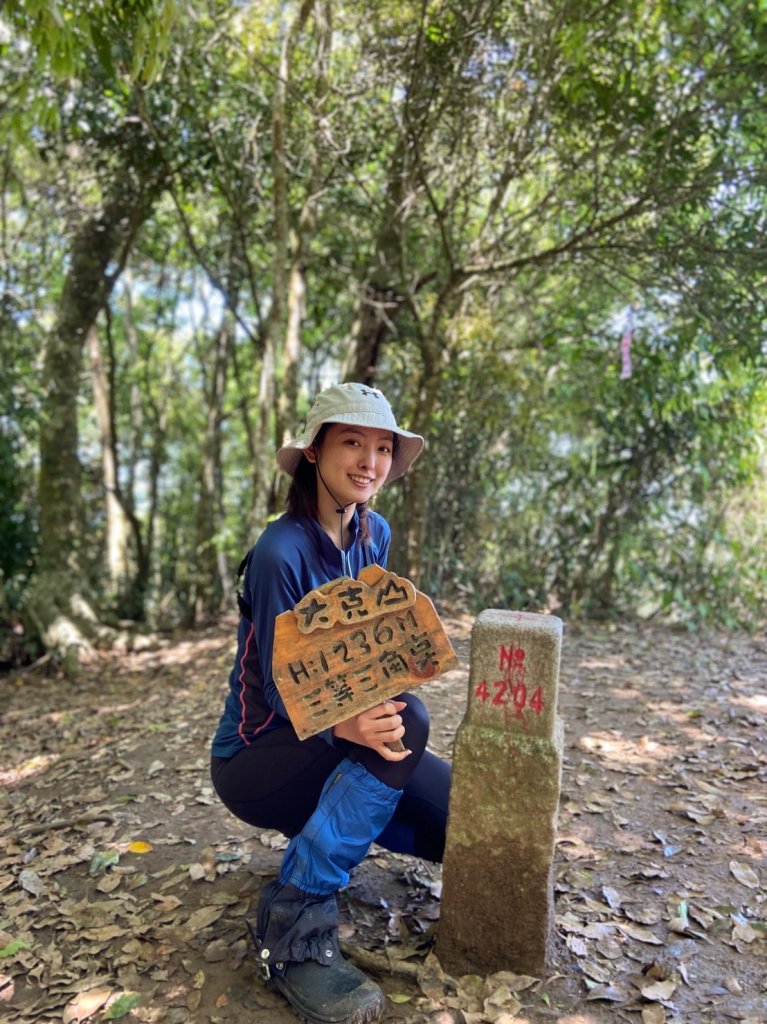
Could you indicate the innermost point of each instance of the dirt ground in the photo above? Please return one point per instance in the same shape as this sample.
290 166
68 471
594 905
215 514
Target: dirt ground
124 885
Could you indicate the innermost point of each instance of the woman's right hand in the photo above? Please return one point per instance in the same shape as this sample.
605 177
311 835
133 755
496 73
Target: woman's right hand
375 728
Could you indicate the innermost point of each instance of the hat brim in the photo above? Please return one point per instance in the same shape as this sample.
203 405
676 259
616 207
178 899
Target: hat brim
409 447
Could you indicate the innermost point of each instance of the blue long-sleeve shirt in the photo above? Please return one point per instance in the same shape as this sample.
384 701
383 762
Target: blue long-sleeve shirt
291 557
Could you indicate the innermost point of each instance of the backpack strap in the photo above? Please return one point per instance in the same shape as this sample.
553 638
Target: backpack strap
242 604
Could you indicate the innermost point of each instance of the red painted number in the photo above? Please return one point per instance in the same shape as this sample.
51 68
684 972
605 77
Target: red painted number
507 693
482 693
510 657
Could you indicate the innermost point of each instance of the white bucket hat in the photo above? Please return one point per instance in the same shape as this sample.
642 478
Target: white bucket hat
361 406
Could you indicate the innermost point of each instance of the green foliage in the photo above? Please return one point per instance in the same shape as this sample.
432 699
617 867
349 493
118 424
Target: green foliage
126 36
557 484
17 524
516 176
20 341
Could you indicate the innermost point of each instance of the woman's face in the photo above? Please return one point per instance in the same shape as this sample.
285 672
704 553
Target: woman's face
353 461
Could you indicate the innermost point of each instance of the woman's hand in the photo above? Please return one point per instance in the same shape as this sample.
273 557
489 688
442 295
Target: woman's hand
375 728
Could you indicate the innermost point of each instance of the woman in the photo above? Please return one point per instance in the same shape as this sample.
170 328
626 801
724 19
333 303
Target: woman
335 793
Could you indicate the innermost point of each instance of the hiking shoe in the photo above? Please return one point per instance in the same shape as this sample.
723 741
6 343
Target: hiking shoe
337 993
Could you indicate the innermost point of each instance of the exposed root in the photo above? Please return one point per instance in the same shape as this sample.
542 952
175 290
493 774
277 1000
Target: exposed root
379 964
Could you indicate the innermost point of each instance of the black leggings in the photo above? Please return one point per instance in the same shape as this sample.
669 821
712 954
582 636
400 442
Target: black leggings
276 783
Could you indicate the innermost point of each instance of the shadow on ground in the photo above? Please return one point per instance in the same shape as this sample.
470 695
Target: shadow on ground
125 886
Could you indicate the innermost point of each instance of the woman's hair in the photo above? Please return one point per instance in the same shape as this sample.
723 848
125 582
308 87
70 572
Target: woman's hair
302 496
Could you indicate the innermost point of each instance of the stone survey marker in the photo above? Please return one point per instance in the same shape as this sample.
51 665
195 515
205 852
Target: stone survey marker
497 890
351 644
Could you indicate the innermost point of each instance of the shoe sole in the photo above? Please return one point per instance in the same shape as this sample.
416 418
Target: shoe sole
363 1015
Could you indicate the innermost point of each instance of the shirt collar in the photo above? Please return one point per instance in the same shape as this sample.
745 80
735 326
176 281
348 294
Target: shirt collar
328 551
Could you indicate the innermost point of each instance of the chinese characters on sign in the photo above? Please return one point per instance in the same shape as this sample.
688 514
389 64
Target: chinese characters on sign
354 643
347 601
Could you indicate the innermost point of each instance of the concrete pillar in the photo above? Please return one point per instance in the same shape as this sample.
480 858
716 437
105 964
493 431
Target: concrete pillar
497 889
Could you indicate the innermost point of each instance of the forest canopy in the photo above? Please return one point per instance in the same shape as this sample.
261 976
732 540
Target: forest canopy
539 228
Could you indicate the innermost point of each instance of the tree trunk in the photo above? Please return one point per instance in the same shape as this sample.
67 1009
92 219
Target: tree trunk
133 599
116 556
380 296
207 584
300 243
269 427
156 460
418 482
57 603
263 470
374 318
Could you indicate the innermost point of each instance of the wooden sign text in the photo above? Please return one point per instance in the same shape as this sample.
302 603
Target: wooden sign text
351 644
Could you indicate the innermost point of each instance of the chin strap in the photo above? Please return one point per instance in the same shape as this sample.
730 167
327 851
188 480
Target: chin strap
340 509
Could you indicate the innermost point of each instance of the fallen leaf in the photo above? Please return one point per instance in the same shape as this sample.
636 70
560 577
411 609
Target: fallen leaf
744 874
85 1005
659 991
569 923
593 970
122 1005
202 918
636 931
650 873
680 923
647 915
516 982
228 856
13 947
110 882
612 896
672 850
102 860
504 998
610 949
743 932
471 988
577 945
704 917
31 882
610 993
598 930
654 1014
216 951
140 846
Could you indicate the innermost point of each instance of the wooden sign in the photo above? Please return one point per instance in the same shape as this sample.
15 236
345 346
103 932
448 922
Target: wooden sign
352 644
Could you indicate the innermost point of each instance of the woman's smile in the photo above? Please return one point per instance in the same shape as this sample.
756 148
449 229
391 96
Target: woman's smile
353 462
